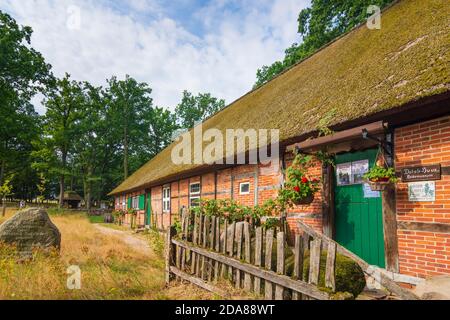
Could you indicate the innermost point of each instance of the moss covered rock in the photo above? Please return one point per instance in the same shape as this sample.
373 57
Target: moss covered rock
349 275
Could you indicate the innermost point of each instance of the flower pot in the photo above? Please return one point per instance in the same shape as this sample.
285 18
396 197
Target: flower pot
304 201
379 185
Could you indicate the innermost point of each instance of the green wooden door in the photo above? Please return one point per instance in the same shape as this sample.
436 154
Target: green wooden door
359 224
149 210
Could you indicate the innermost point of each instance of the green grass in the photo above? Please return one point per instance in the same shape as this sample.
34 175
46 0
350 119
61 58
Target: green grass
96 219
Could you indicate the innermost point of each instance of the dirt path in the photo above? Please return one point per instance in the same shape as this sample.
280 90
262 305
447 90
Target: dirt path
128 237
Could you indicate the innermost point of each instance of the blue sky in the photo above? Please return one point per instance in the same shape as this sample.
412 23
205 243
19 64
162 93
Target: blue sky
197 45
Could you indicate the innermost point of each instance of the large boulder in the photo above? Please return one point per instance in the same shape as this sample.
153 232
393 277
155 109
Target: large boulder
28 229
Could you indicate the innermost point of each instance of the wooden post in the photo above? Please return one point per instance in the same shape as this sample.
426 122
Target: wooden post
268 263
330 281
279 290
390 229
205 245
258 257
328 200
231 248
314 262
217 248
298 263
169 252
239 230
194 241
224 247
247 256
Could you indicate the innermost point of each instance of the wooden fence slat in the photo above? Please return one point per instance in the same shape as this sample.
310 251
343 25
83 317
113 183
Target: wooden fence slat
212 238
314 262
199 242
247 256
239 230
224 246
217 248
298 263
169 252
231 248
194 241
279 290
258 257
330 281
268 263
205 245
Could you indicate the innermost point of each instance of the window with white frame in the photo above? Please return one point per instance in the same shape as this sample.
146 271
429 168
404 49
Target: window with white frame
166 199
135 203
244 188
194 194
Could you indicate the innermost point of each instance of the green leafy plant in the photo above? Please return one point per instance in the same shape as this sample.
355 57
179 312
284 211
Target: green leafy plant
381 174
298 186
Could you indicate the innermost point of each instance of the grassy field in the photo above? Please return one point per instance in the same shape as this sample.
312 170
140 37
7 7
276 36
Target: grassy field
110 268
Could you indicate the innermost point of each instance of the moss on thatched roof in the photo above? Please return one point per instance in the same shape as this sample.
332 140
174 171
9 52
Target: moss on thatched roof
362 73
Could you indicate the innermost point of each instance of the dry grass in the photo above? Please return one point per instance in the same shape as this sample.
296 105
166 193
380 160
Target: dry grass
110 268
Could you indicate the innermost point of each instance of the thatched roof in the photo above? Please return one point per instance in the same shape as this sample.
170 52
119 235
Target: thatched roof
72 195
360 74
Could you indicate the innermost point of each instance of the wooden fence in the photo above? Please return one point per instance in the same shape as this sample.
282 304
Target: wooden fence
250 257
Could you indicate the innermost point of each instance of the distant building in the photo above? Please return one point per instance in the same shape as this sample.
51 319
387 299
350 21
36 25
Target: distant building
72 199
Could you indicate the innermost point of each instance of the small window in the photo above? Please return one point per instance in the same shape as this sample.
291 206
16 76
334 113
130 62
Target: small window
195 188
135 203
194 194
166 199
244 188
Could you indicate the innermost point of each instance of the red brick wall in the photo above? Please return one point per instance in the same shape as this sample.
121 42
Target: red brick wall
424 253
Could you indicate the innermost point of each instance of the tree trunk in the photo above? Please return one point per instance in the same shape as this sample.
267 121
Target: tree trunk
2 171
61 180
125 153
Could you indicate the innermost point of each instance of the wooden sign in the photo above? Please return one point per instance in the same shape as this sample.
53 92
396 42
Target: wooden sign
421 173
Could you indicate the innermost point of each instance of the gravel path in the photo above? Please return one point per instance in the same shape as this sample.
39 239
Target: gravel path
128 237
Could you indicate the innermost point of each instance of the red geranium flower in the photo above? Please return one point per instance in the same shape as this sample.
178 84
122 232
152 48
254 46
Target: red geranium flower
315 180
304 180
297 188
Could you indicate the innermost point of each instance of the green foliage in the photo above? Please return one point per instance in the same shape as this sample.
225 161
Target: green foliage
318 25
298 186
378 173
196 108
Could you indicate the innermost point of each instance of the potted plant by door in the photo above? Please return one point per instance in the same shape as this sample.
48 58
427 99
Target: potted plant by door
380 177
299 189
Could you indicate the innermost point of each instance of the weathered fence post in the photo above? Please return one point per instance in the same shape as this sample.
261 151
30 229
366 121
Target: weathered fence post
330 281
247 255
268 263
298 263
279 290
258 257
314 262
169 251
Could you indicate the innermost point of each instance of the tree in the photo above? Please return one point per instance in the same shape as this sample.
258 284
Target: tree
319 24
196 108
63 102
129 105
5 190
23 72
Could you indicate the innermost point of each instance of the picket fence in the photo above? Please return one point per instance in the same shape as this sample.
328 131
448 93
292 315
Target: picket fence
250 257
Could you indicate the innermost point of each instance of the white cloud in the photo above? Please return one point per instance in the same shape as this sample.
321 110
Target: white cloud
142 40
